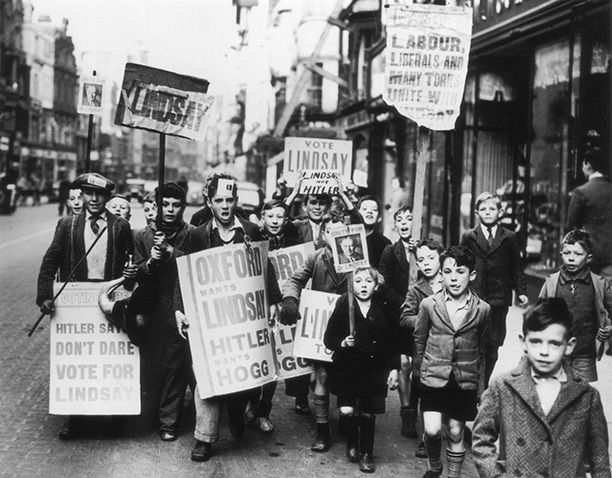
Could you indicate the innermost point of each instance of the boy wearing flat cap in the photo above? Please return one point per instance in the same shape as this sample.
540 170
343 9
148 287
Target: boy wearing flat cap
74 235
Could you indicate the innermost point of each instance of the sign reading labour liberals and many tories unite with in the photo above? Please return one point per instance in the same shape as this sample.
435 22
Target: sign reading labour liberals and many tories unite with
426 61
285 262
224 294
163 101
94 368
318 162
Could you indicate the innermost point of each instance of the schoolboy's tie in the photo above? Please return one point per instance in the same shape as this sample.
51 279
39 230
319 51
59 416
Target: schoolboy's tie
94 224
490 237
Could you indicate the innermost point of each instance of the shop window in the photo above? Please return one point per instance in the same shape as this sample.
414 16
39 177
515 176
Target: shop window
549 154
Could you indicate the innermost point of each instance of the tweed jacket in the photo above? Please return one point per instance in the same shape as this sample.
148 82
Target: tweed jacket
395 268
410 308
68 247
319 267
499 269
590 207
533 444
441 350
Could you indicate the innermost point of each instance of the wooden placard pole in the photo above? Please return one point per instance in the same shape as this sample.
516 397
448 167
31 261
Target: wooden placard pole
89 140
351 302
160 178
419 189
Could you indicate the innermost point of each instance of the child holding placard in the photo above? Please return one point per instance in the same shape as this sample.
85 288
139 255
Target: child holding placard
366 361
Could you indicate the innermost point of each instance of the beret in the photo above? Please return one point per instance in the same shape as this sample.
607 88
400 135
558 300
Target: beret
94 181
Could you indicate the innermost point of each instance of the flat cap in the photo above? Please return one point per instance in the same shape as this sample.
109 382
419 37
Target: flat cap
94 181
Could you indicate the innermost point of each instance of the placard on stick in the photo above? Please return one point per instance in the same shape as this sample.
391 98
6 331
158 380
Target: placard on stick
315 309
224 294
91 91
349 248
94 368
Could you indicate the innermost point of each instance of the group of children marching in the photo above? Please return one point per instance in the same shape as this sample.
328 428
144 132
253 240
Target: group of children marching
436 339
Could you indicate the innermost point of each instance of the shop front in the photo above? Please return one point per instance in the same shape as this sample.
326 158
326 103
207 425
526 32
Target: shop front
537 97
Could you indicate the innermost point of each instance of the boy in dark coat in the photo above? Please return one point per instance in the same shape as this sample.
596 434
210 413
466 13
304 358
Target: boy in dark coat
499 269
394 266
451 337
548 421
370 208
365 363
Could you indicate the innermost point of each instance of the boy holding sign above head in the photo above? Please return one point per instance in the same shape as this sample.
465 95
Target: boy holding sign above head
320 268
370 209
395 267
222 229
366 361
155 253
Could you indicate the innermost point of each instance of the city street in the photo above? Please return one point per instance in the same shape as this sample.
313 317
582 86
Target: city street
29 446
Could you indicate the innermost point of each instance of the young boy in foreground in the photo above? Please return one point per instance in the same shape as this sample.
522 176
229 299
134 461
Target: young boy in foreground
548 421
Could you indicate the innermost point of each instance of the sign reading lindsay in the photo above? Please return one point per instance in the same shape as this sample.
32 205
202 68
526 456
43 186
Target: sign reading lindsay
318 162
225 301
159 100
426 61
315 310
285 262
94 368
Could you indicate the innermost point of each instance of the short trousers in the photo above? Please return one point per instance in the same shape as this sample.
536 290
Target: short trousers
584 367
450 400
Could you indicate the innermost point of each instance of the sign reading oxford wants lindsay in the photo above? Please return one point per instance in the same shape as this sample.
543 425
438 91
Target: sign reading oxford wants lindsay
316 163
163 101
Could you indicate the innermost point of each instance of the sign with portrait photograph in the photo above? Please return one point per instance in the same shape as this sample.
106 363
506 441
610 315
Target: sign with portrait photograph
91 91
94 368
349 248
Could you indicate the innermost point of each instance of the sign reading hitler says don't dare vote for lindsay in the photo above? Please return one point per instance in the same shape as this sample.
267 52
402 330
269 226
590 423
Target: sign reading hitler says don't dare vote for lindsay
94 368
159 100
426 61
285 262
224 295
318 162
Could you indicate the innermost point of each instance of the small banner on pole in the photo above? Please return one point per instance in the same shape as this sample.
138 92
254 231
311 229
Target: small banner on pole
285 262
91 92
350 248
94 368
224 294
426 61
163 101
315 309
319 162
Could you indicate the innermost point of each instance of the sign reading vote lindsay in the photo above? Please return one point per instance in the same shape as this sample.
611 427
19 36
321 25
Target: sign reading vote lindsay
224 294
160 100
94 368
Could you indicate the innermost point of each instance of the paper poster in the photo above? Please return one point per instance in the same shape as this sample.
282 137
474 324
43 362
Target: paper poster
285 262
350 248
426 61
315 310
224 294
91 91
163 101
319 162
94 368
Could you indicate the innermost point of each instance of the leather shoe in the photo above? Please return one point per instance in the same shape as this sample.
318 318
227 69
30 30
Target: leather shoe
301 407
202 451
265 425
166 435
433 474
365 464
321 444
66 433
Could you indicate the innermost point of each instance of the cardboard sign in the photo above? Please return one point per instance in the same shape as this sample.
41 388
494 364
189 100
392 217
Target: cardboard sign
315 310
94 368
350 249
426 61
285 262
319 161
163 101
91 91
224 294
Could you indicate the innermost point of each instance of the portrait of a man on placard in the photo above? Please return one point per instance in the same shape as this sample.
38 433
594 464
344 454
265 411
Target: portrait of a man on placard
349 248
92 95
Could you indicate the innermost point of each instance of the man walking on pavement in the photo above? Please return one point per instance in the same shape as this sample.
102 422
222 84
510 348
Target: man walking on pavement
74 235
